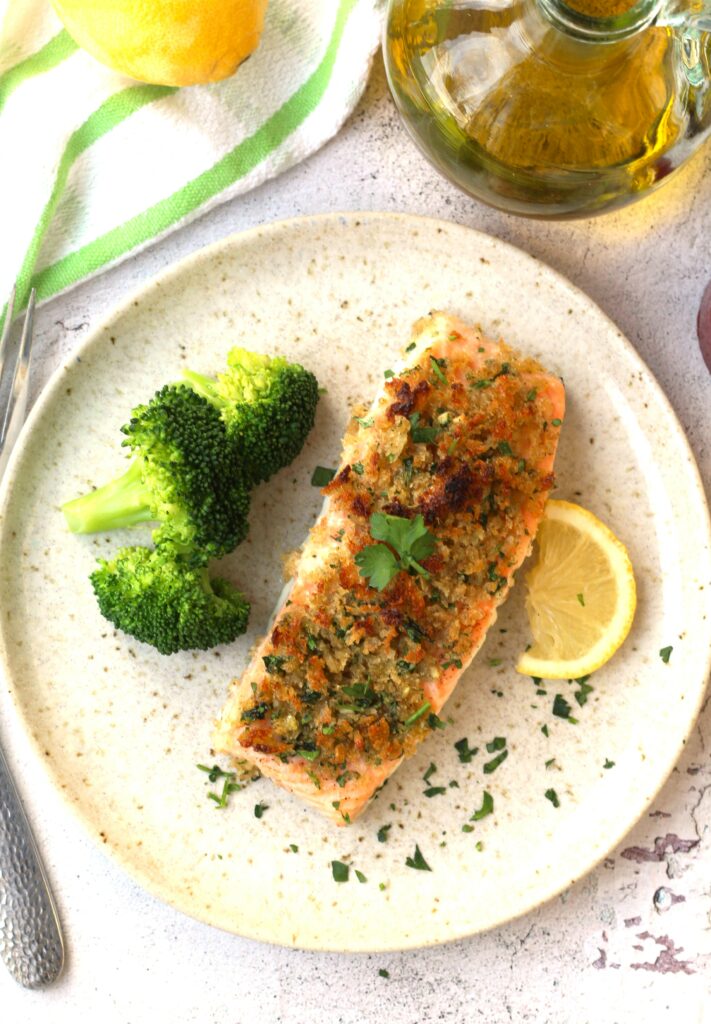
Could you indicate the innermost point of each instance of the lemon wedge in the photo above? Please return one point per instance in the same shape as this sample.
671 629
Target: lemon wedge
581 595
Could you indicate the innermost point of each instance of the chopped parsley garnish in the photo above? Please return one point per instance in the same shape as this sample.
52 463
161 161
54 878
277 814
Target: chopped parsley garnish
357 467
417 861
467 828
312 648
479 846
430 772
544 730
215 772
551 795
494 575
498 743
581 600
504 448
434 721
259 809
259 711
422 435
435 790
382 972
308 755
465 752
360 876
410 346
492 765
494 662
388 374
438 365
365 421
487 807
608 763
293 847
415 632
322 476
665 654
383 833
411 540
228 787
531 395
423 709
340 871
273 663
405 666
556 422
362 694
581 695
550 762
328 729
562 709
457 662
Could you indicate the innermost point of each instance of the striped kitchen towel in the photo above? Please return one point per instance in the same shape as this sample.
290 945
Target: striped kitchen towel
95 166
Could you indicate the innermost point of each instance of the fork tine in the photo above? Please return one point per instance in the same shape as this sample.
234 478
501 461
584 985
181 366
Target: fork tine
18 392
6 330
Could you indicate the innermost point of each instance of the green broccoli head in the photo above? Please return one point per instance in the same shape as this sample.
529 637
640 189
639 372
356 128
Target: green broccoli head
158 598
268 406
185 475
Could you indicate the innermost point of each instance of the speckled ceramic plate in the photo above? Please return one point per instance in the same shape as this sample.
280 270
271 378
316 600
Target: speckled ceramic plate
121 728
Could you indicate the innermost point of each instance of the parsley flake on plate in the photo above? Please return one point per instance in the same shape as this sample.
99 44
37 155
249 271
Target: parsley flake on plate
417 861
383 833
487 807
322 476
562 709
340 871
492 765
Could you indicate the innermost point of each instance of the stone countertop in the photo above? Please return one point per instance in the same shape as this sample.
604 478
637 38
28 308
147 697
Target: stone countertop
630 941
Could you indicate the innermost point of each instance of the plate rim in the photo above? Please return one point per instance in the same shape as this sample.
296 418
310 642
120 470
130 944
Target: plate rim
341 219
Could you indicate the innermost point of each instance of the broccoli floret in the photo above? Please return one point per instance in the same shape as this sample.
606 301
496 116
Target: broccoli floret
268 406
185 474
158 598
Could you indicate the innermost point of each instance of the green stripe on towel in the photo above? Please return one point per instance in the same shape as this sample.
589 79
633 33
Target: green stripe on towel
52 53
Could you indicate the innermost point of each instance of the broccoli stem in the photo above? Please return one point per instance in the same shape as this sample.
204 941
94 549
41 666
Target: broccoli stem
204 386
125 501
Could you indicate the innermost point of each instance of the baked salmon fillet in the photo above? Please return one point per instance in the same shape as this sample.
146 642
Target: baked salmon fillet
350 679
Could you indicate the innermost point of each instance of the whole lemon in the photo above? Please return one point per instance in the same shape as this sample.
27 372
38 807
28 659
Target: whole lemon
166 42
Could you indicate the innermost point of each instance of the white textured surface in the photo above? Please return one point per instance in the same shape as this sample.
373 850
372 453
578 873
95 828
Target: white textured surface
602 951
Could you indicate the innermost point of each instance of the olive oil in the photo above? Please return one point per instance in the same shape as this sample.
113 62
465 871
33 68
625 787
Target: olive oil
545 108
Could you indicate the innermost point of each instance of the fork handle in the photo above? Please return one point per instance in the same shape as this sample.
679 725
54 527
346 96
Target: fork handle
30 936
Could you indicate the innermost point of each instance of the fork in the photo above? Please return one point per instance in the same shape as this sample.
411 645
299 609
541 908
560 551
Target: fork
13 415
30 934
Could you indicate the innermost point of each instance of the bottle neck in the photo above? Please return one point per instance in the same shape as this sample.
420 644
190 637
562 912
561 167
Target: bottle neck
601 21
